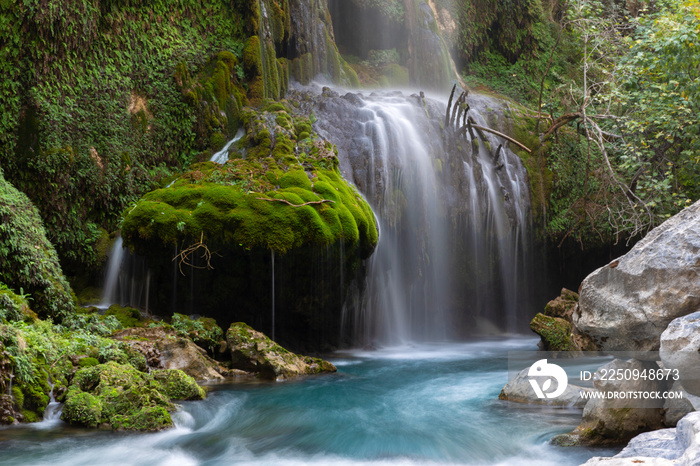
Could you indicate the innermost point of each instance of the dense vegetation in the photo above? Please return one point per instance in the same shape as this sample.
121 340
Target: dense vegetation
103 102
618 87
91 112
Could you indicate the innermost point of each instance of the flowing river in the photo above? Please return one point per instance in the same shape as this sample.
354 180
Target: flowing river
419 404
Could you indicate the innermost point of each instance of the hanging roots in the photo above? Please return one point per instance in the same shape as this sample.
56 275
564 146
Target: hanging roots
185 256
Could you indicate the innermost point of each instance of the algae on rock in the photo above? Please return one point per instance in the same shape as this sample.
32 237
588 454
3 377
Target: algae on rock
126 399
253 351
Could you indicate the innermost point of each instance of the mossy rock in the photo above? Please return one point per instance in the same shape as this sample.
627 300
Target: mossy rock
563 305
285 194
177 385
124 398
82 408
556 333
204 331
253 351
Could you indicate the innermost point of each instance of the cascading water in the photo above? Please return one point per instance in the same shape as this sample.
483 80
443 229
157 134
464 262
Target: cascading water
222 156
454 216
127 281
114 264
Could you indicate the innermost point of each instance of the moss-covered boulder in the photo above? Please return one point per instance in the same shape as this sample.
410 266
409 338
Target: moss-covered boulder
563 305
123 398
282 192
279 206
555 328
28 261
163 347
253 351
555 332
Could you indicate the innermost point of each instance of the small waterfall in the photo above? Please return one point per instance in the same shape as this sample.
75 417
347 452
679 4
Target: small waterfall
52 412
272 259
114 264
222 156
54 408
127 281
454 254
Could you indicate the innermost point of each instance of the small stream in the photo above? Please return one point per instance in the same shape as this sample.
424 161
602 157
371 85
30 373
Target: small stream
418 404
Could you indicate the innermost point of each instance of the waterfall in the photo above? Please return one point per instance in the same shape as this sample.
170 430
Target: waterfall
454 254
52 412
114 263
222 156
127 281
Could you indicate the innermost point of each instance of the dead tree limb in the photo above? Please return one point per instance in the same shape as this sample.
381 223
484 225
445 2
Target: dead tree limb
561 121
497 133
449 104
461 99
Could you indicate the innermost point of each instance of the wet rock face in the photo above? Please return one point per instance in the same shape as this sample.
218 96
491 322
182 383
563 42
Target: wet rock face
627 304
431 186
252 351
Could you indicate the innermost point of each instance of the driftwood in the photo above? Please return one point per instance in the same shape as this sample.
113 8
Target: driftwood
294 205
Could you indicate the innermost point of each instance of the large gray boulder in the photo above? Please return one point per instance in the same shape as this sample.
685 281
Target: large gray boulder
627 304
680 350
679 446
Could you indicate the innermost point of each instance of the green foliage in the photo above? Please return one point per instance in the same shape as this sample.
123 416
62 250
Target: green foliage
28 261
634 160
505 45
660 86
203 331
91 114
13 306
127 316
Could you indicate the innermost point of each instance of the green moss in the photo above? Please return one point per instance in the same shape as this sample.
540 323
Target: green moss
83 409
127 316
556 332
177 385
257 202
88 362
125 398
541 181
150 418
28 261
252 57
